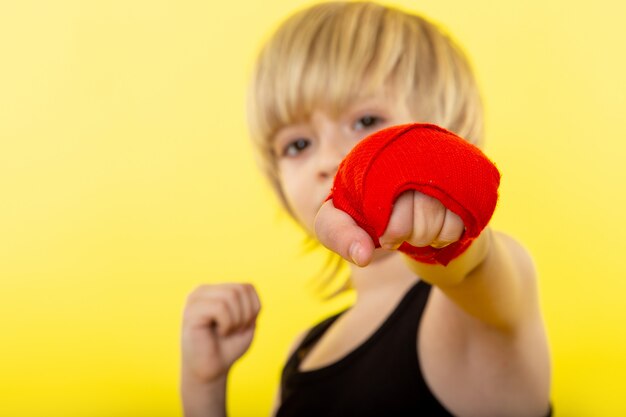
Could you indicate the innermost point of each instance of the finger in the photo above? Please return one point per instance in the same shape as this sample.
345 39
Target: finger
217 314
256 301
428 217
214 307
233 293
336 230
194 313
230 298
249 304
451 231
400 226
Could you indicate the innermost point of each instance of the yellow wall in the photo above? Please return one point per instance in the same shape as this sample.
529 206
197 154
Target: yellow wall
126 180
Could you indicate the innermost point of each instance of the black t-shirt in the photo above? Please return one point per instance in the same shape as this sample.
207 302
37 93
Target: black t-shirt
381 377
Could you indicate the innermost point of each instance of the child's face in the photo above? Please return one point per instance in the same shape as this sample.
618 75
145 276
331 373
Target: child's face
309 153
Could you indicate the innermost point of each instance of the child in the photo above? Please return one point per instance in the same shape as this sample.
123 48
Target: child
445 322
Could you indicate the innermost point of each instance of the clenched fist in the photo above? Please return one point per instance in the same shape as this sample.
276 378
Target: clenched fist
416 218
415 183
217 329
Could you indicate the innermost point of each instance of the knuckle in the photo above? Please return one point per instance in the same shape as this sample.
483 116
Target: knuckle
197 292
233 293
201 292
221 307
248 289
251 289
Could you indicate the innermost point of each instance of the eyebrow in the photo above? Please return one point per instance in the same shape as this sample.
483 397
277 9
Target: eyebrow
274 136
351 103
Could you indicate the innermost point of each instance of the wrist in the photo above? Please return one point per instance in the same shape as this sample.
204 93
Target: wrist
214 385
203 399
459 268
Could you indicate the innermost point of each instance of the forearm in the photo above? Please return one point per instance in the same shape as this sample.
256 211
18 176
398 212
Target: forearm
493 280
203 400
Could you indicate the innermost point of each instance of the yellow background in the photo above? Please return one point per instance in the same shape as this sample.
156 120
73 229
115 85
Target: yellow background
126 179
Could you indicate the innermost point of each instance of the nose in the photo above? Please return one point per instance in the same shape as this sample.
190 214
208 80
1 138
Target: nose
331 152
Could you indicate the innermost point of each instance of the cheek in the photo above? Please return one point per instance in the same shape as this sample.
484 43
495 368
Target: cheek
299 199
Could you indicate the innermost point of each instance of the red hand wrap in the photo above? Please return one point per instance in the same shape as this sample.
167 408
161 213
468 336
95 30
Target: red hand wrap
421 157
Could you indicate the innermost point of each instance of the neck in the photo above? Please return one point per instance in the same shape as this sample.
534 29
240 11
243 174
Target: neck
386 274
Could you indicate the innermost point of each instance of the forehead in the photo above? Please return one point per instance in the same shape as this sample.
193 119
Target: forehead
340 103
329 94
381 103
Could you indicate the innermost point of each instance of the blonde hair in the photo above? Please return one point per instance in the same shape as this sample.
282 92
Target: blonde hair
330 54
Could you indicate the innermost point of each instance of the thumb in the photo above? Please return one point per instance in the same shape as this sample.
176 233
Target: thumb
336 230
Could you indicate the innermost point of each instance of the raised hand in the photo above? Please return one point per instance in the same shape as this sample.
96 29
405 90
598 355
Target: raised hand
217 329
404 184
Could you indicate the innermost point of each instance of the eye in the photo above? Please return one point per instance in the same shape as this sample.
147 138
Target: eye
367 122
294 147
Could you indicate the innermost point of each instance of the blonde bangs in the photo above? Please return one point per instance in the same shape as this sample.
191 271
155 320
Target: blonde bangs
325 57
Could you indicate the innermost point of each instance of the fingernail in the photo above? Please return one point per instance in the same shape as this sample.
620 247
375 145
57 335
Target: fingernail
439 245
387 245
390 245
355 248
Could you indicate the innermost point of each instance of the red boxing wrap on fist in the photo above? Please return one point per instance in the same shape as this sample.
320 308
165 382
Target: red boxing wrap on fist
425 158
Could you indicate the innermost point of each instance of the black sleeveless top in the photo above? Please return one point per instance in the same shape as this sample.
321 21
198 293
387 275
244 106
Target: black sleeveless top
381 377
